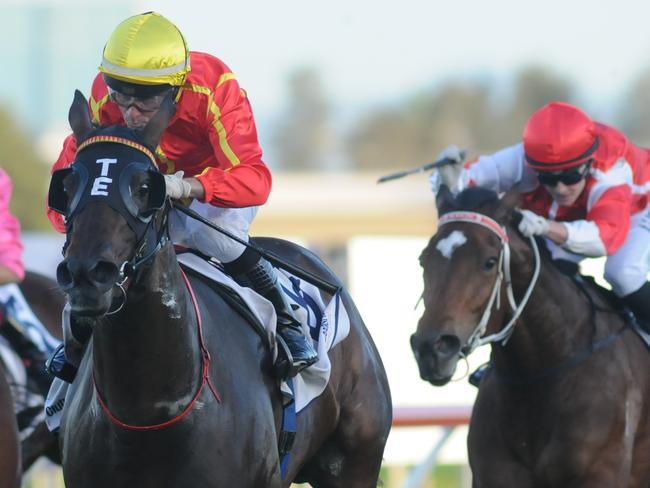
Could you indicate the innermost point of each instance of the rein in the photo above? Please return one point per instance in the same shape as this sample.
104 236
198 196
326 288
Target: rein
131 267
477 337
205 379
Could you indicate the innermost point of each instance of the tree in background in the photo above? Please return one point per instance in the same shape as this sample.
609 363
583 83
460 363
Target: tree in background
304 140
28 173
469 115
635 111
534 87
411 133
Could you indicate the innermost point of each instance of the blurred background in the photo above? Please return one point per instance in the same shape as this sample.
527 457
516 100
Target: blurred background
344 92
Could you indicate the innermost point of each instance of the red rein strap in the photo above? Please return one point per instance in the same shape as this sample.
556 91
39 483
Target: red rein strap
205 379
475 218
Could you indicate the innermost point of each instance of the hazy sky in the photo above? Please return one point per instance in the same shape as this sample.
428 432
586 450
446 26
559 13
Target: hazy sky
369 51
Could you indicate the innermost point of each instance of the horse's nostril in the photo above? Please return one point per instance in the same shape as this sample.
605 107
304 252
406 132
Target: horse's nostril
447 345
63 275
104 272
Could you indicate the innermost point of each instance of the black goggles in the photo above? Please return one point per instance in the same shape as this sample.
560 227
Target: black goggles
567 177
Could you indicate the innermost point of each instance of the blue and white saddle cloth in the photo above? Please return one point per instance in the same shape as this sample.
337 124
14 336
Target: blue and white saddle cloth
25 400
21 316
326 323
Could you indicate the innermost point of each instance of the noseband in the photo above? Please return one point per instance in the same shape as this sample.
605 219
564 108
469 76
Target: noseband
477 337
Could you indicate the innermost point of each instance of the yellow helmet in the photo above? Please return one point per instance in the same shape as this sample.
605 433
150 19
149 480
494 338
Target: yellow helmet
146 49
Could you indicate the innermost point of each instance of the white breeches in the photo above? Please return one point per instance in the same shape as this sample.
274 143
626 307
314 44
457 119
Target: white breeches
191 233
627 269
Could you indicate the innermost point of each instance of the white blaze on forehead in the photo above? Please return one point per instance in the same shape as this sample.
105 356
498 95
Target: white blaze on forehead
448 245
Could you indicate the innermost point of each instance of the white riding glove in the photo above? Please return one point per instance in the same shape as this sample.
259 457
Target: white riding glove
532 224
177 187
449 174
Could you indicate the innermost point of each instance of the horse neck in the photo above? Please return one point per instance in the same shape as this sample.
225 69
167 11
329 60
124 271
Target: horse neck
555 324
149 350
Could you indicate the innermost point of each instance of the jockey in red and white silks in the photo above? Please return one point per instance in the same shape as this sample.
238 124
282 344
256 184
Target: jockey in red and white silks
585 188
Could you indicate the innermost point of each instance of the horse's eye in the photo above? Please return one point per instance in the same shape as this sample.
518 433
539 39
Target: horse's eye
490 263
143 190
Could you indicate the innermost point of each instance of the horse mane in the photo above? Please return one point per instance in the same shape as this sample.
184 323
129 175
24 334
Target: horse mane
120 131
472 198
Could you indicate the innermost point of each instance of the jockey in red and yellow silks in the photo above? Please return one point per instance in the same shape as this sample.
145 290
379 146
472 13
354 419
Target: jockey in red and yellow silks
585 188
209 152
212 136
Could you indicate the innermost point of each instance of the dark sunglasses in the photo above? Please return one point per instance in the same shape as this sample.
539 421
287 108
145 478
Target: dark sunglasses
568 178
149 104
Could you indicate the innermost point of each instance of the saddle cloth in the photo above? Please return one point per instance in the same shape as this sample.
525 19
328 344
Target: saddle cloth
28 405
20 314
326 324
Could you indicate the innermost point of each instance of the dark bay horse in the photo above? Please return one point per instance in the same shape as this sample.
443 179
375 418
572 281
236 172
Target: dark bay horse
174 387
566 401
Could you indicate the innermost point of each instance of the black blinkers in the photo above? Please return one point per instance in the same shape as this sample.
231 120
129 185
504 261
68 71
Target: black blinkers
127 181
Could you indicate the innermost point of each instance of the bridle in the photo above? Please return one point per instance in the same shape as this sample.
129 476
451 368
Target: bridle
142 256
151 233
477 338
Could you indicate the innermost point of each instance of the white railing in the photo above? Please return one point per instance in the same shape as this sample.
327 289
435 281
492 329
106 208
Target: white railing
449 418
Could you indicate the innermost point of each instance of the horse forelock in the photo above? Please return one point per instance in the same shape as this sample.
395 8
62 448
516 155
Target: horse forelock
474 198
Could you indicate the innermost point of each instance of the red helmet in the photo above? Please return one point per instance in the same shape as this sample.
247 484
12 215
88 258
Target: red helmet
559 136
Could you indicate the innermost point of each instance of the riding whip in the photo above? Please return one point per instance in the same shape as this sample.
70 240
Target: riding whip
420 169
270 256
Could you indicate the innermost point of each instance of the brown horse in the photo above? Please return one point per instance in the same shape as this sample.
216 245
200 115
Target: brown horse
174 388
46 301
566 401
10 466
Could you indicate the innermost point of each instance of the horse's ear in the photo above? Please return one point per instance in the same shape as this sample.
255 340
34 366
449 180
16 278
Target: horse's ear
507 204
444 199
153 131
79 117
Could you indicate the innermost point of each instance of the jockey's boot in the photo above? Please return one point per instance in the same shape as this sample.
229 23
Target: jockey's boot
33 358
639 303
262 278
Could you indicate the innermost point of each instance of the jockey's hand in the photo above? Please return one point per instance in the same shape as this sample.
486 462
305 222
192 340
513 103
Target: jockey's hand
532 224
452 153
449 174
177 187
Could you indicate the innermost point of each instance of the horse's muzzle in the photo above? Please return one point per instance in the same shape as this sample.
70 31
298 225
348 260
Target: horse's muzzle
437 357
88 284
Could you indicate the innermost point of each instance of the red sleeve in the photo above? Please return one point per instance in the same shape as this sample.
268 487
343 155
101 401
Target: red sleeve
233 136
611 214
102 111
65 159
